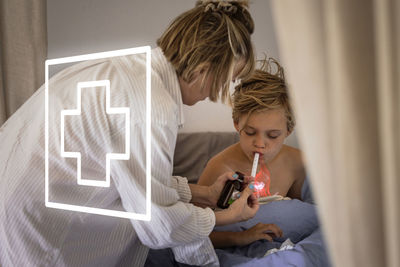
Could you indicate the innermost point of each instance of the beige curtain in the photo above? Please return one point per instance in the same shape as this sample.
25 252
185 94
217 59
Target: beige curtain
342 61
23 50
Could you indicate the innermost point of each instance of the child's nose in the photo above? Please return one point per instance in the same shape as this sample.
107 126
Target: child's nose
259 142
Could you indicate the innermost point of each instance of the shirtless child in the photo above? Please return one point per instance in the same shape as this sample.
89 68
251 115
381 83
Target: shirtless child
263 118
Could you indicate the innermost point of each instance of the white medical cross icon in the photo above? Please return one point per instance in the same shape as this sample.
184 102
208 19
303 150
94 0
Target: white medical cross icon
109 110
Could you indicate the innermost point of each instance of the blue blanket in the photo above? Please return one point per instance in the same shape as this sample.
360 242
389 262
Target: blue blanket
306 253
298 221
296 218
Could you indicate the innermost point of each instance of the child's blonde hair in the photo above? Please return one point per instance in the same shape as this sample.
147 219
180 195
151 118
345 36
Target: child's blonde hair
264 90
213 34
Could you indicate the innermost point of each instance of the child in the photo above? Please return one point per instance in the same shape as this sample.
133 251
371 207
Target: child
263 118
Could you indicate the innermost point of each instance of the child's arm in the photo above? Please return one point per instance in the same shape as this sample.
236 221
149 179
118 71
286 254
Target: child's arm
299 174
257 232
295 189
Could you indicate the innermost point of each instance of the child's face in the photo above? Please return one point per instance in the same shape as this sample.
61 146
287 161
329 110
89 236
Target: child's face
264 133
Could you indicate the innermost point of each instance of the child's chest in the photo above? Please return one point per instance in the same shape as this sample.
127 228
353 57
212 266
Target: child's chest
281 178
281 183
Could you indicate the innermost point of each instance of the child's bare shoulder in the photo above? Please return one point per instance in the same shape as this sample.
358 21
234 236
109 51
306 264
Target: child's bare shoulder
225 156
217 165
292 156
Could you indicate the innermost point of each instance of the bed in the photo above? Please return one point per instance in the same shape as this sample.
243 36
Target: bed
302 244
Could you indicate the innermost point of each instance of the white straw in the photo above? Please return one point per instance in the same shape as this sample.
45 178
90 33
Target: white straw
255 164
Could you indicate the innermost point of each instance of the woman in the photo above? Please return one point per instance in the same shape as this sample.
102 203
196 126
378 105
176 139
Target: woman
199 54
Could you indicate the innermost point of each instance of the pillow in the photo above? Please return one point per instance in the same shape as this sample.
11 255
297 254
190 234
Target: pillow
296 218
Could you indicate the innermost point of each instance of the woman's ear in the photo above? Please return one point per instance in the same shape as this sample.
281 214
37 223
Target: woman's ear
199 73
203 68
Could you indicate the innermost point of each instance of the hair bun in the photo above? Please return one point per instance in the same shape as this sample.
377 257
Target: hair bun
226 6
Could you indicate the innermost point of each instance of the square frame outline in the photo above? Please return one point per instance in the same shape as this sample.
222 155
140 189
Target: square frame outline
93 56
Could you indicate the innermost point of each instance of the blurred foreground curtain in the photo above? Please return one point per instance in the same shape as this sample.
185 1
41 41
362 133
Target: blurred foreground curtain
342 61
23 50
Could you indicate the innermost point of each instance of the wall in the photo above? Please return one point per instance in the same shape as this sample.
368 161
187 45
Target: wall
87 26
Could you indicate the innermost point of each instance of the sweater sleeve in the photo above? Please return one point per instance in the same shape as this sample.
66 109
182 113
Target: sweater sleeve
174 222
182 187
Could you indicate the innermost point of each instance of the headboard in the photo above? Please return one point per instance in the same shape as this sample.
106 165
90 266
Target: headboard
193 150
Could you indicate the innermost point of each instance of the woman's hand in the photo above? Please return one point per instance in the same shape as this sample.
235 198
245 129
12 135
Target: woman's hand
259 231
207 196
246 206
242 209
214 190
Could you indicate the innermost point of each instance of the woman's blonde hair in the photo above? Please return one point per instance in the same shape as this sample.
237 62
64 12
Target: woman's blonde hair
213 34
264 90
